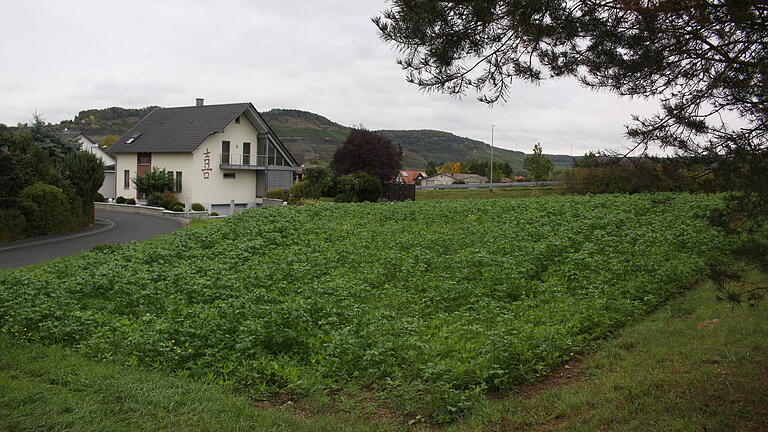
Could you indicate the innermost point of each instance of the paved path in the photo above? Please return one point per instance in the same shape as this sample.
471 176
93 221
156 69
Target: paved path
110 227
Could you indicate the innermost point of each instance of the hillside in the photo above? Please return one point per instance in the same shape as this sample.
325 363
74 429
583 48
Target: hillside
98 123
314 138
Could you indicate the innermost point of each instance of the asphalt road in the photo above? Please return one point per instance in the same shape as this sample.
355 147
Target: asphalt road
110 228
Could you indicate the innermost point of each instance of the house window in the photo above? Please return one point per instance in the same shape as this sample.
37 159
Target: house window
225 152
177 180
145 159
127 179
229 175
246 153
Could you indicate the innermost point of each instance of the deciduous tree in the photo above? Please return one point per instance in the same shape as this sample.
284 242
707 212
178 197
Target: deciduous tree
369 152
538 165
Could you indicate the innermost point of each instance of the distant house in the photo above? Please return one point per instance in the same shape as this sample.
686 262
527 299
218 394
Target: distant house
86 144
470 178
410 176
520 178
438 179
217 154
441 179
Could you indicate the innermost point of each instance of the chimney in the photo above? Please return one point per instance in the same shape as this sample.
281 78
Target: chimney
199 102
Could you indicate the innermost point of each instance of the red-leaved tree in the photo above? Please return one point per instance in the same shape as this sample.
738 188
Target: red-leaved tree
370 152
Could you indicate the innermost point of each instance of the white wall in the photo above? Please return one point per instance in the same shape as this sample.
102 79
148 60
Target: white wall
440 179
125 161
91 147
107 189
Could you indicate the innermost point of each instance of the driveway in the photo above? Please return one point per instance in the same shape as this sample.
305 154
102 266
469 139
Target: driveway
110 227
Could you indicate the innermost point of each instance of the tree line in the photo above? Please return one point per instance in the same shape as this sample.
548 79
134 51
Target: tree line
47 184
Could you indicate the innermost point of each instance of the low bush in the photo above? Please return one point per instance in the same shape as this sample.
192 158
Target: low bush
361 186
130 201
169 200
177 207
278 194
155 199
99 197
12 224
344 198
47 210
300 190
198 207
120 200
214 213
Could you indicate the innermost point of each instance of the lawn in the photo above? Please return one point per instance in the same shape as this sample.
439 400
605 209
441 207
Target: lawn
509 192
424 307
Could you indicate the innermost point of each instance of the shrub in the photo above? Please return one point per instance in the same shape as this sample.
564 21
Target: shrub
278 194
344 198
635 177
300 190
156 180
99 198
47 210
214 213
360 186
318 180
155 199
130 201
198 207
177 207
85 172
120 200
12 224
169 200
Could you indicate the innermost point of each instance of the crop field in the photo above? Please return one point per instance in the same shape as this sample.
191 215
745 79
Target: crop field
424 305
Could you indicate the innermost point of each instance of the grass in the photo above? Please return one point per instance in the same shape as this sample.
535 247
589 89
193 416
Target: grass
512 192
696 364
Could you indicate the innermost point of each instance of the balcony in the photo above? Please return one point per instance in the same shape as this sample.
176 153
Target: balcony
242 161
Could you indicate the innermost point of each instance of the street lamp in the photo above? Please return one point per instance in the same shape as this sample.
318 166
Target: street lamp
491 178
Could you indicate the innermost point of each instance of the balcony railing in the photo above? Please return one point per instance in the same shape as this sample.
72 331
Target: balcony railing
243 159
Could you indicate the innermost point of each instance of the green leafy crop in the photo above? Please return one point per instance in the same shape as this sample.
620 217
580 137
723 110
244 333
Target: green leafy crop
429 304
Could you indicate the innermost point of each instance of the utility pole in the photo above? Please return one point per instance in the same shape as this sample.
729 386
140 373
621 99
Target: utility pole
491 188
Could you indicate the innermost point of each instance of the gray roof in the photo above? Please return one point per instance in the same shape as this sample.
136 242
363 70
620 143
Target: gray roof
180 129
67 134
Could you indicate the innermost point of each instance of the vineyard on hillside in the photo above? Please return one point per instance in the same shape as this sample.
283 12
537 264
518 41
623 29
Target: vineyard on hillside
428 305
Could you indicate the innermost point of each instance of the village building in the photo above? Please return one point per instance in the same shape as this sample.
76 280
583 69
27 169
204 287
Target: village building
218 154
469 178
410 176
439 179
87 144
442 179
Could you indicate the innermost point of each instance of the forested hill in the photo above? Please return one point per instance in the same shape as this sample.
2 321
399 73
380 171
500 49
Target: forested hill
314 138
98 123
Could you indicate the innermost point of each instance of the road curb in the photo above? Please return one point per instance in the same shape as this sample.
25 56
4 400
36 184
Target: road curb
57 238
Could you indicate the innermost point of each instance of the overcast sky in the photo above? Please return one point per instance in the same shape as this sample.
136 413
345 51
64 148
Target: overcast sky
325 57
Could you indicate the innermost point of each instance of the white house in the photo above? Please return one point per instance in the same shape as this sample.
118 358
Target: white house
441 179
217 154
86 144
438 179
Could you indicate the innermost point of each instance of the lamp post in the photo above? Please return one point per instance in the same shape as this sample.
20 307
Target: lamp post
491 177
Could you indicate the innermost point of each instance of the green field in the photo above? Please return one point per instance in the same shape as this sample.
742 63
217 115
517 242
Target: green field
695 364
482 193
426 306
